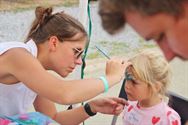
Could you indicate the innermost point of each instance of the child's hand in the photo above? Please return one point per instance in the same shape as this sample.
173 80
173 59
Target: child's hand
108 105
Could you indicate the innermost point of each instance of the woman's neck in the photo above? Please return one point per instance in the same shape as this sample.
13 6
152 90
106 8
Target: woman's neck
42 55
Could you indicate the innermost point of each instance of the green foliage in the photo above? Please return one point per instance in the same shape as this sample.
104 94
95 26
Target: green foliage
93 55
117 48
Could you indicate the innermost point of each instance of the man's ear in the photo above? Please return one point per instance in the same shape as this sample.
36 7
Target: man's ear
53 43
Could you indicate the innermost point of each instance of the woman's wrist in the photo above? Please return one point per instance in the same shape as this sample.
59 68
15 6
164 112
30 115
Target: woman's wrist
89 109
105 83
112 80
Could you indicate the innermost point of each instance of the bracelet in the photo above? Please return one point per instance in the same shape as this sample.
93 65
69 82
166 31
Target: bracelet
105 82
87 109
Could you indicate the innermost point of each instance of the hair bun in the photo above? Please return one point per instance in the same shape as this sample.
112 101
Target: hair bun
43 14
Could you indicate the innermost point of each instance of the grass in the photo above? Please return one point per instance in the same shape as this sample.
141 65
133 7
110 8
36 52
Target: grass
116 48
20 5
93 55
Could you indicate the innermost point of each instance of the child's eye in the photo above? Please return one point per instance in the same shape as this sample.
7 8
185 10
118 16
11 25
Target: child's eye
134 82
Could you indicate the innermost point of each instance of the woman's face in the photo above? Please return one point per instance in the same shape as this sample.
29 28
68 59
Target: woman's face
169 33
67 55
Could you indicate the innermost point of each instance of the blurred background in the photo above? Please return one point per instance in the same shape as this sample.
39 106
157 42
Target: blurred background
15 20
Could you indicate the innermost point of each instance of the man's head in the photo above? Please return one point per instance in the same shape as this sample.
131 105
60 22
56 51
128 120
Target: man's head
165 22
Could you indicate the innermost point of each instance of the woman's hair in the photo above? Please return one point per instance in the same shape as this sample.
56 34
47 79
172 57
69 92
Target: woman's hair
112 12
152 68
59 24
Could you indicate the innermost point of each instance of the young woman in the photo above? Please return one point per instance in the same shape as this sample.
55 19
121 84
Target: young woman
55 42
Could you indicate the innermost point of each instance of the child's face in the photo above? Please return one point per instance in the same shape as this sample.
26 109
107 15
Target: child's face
136 89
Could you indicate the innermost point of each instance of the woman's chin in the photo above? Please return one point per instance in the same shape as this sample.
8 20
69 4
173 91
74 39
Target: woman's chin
64 74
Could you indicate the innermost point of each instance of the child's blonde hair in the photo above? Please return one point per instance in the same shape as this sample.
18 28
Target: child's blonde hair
152 68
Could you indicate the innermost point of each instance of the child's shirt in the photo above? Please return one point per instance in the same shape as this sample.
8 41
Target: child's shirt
160 114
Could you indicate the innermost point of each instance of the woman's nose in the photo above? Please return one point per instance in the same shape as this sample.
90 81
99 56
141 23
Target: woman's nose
169 54
167 51
78 61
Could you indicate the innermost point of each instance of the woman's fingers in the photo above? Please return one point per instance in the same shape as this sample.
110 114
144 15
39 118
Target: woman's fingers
115 70
120 100
118 109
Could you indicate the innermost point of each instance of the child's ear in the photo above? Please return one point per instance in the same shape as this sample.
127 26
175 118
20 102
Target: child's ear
158 86
53 43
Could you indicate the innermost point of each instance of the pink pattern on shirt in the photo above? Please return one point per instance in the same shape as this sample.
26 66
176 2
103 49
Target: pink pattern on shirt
160 114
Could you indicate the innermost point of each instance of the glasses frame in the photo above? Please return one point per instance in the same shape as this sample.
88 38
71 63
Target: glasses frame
78 53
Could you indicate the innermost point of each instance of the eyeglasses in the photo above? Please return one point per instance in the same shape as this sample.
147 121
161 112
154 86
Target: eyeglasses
78 53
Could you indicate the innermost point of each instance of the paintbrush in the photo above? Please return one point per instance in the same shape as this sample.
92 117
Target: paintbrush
102 52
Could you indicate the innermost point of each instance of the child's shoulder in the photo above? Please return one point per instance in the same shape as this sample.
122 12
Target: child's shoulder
172 116
171 112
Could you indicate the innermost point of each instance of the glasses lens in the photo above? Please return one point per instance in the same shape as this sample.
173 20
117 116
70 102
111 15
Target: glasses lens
78 53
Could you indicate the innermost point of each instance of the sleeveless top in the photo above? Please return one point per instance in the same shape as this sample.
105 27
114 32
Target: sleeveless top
16 98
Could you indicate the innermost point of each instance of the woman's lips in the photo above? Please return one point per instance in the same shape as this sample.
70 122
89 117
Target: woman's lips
70 69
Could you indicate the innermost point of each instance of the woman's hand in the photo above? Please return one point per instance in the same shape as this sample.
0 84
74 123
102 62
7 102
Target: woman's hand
115 70
112 105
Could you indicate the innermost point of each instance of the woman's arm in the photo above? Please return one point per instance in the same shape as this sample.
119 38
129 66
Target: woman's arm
45 106
69 117
76 116
24 67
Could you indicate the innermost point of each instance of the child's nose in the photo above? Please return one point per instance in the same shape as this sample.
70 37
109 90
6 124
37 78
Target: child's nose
127 84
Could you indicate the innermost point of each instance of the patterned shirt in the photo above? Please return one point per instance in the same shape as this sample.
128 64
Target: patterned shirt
160 114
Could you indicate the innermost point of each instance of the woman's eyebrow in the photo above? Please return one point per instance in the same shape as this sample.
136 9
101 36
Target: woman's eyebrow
149 37
78 48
